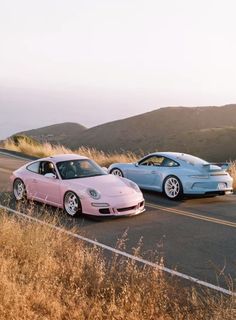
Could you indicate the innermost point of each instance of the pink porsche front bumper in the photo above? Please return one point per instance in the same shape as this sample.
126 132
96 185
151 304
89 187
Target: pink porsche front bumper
118 206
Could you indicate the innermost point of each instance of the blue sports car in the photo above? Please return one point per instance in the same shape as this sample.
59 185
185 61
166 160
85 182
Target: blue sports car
176 174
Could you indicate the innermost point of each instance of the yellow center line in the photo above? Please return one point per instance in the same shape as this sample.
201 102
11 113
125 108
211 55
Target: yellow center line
192 215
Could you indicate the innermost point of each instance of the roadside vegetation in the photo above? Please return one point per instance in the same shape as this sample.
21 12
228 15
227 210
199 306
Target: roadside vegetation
32 147
25 145
232 172
45 274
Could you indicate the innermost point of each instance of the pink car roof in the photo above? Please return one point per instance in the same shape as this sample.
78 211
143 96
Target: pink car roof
64 157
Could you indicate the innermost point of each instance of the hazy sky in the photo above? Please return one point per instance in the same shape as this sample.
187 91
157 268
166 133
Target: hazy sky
94 61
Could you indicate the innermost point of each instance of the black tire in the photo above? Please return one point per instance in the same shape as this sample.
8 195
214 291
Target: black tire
19 190
72 205
172 188
117 172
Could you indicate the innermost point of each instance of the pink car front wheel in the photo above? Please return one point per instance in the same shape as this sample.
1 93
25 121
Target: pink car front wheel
72 204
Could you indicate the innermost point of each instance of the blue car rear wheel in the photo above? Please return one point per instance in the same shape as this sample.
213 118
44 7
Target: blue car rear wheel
173 188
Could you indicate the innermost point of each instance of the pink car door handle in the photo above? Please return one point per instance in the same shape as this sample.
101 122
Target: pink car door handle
34 181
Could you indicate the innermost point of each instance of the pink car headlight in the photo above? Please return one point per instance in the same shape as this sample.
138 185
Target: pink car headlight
94 194
134 186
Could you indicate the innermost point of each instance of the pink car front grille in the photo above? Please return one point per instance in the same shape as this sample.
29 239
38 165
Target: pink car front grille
126 209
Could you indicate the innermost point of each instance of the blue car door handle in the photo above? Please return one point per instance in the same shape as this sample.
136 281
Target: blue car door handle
153 172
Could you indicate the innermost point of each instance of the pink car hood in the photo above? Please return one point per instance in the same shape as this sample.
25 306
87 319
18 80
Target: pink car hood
107 185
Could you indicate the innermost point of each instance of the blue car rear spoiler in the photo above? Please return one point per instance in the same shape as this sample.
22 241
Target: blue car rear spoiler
222 165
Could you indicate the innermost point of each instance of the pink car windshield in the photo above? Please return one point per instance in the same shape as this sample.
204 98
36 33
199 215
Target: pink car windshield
74 169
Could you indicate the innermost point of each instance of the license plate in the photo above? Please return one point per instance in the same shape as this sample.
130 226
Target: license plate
221 186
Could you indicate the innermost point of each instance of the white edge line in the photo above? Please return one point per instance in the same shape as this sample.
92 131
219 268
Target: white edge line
124 254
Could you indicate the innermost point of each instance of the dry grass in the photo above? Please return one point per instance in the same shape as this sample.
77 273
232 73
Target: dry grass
102 158
232 172
45 274
47 149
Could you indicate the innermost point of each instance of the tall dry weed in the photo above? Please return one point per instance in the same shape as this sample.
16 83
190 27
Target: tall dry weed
232 172
47 149
45 274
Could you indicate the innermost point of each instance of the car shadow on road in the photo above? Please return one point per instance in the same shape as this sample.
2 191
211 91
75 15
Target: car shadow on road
160 199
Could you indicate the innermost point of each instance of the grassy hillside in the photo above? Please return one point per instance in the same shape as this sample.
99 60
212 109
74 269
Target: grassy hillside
212 144
46 274
58 133
203 131
208 132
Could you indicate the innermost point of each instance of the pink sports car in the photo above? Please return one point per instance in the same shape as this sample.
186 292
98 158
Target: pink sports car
78 185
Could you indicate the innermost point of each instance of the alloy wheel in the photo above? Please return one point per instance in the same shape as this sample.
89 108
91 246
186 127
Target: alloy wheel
72 204
172 187
19 190
117 172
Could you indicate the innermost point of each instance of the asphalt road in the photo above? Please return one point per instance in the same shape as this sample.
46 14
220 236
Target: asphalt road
196 236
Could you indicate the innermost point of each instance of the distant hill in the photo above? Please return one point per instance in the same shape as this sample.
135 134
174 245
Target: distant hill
57 133
209 132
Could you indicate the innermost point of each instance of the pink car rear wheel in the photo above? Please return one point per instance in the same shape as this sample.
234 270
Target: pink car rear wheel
19 190
72 204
